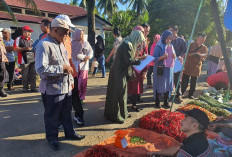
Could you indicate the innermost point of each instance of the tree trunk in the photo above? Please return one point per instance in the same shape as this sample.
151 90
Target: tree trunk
216 18
91 22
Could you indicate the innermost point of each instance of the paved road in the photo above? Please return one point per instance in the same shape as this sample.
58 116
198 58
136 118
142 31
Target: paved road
22 127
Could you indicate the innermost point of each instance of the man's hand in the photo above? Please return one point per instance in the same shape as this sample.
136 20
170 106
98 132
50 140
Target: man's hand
72 85
67 69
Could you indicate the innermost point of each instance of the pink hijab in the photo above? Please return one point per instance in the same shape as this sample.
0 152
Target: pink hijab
77 45
153 47
154 44
138 28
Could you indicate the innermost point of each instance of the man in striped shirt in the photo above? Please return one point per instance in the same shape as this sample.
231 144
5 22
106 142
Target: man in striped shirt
196 143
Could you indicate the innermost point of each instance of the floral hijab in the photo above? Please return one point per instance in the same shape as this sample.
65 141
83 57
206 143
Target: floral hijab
136 37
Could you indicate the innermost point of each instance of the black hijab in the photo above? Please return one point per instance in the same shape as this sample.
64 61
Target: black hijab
100 43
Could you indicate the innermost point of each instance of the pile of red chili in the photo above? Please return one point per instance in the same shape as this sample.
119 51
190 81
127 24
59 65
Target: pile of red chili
160 122
101 151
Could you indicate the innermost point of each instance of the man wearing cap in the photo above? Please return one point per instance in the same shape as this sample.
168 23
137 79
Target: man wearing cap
10 66
52 64
76 101
23 45
3 60
196 143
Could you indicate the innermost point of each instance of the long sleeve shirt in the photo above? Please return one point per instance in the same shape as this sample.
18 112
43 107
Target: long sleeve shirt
50 58
180 46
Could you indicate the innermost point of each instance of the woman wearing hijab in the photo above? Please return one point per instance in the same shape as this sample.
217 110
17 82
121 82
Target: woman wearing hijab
163 69
99 55
120 71
81 53
151 65
135 86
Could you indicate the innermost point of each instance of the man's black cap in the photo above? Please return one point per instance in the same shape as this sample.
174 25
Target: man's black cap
199 115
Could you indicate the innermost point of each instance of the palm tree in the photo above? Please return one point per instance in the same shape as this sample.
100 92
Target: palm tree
108 6
138 5
91 21
82 3
216 18
5 7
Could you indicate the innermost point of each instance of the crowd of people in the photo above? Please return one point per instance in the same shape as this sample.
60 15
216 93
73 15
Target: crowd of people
62 63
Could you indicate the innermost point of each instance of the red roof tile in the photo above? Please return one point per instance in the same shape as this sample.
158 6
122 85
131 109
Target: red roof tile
49 6
20 17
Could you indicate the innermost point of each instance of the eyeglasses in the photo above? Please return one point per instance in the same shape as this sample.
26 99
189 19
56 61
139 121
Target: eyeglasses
63 31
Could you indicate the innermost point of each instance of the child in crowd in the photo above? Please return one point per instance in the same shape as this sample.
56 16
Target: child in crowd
94 67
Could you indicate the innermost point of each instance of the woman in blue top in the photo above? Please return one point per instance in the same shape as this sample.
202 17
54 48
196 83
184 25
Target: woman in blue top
163 69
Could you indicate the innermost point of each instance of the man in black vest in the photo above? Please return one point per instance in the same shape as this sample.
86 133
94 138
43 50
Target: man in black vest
23 45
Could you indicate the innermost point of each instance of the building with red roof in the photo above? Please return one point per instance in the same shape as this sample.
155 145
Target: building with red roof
48 10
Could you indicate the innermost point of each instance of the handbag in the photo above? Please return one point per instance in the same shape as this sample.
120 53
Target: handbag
160 70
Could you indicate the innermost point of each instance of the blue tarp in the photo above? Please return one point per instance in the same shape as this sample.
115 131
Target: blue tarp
228 15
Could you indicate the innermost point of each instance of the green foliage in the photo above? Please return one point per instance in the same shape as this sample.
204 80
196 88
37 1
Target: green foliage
182 13
126 20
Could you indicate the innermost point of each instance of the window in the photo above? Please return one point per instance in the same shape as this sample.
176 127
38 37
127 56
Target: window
17 10
51 15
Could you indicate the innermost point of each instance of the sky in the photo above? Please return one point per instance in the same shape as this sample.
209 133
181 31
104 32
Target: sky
121 7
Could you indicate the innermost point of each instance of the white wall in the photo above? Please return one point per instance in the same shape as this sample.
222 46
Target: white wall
34 27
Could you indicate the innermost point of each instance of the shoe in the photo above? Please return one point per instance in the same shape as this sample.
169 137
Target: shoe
129 116
75 137
34 90
178 100
135 108
2 93
103 77
157 105
166 105
54 144
191 97
79 121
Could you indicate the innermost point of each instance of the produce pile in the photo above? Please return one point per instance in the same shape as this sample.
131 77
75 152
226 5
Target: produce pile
137 140
216 102
100 151
160 122
216 110
211 116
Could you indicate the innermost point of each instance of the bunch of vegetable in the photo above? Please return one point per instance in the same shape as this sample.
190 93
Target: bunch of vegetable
137 140
160 122
211 116
216 110
211 101
100 151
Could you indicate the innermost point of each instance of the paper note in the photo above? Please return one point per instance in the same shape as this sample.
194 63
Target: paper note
178 66
124 143
144 63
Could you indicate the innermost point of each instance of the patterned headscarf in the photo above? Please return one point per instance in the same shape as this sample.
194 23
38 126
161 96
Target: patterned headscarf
77 45
135 38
